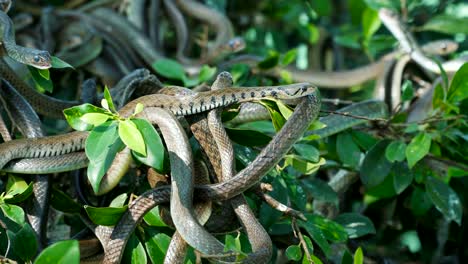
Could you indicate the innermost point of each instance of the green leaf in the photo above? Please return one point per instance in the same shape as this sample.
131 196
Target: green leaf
73 116
108 97
19 196
232 243
323 8
138 108
294 252
358 256
285 111
206 73
100 139
356 9
134 251
377 4
14 212
23 242
156 244
445 199
64 252
302 165
153 218
15 185
317 235
420 202
289 57
44 73
62 202
170 69
458 90
410 239
94 119
269 62
331 230
102 145
356 225
316 125
402 176
418 148
364 140
307 152
347 258
154 146
347 150
41 82
370 23
375 167
131 136
58 63
395 151
407 90
189 81
446 24
119 201
321 191
106 216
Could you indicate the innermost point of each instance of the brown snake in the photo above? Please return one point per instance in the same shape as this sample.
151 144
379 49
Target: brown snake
305 112
258 237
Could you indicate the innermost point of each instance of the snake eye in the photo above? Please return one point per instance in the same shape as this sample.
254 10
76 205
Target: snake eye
36 58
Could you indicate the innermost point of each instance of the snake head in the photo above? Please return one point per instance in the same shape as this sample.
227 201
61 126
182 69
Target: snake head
236 44
293 91
442 47
5 5
40 59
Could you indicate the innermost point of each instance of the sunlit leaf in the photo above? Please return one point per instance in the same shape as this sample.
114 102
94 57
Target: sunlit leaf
418 148
108 97
358 256
94 119
73 116
395 151
154 147
370 23
131 136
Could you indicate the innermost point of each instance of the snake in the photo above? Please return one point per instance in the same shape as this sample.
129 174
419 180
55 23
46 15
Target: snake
138 82
192 104
410 46
217 20
346 78
209 131
258 237
79 45
184 105
29 124
306 111
135 13
37 58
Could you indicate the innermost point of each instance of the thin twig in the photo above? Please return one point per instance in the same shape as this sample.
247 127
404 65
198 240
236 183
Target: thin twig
298 234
